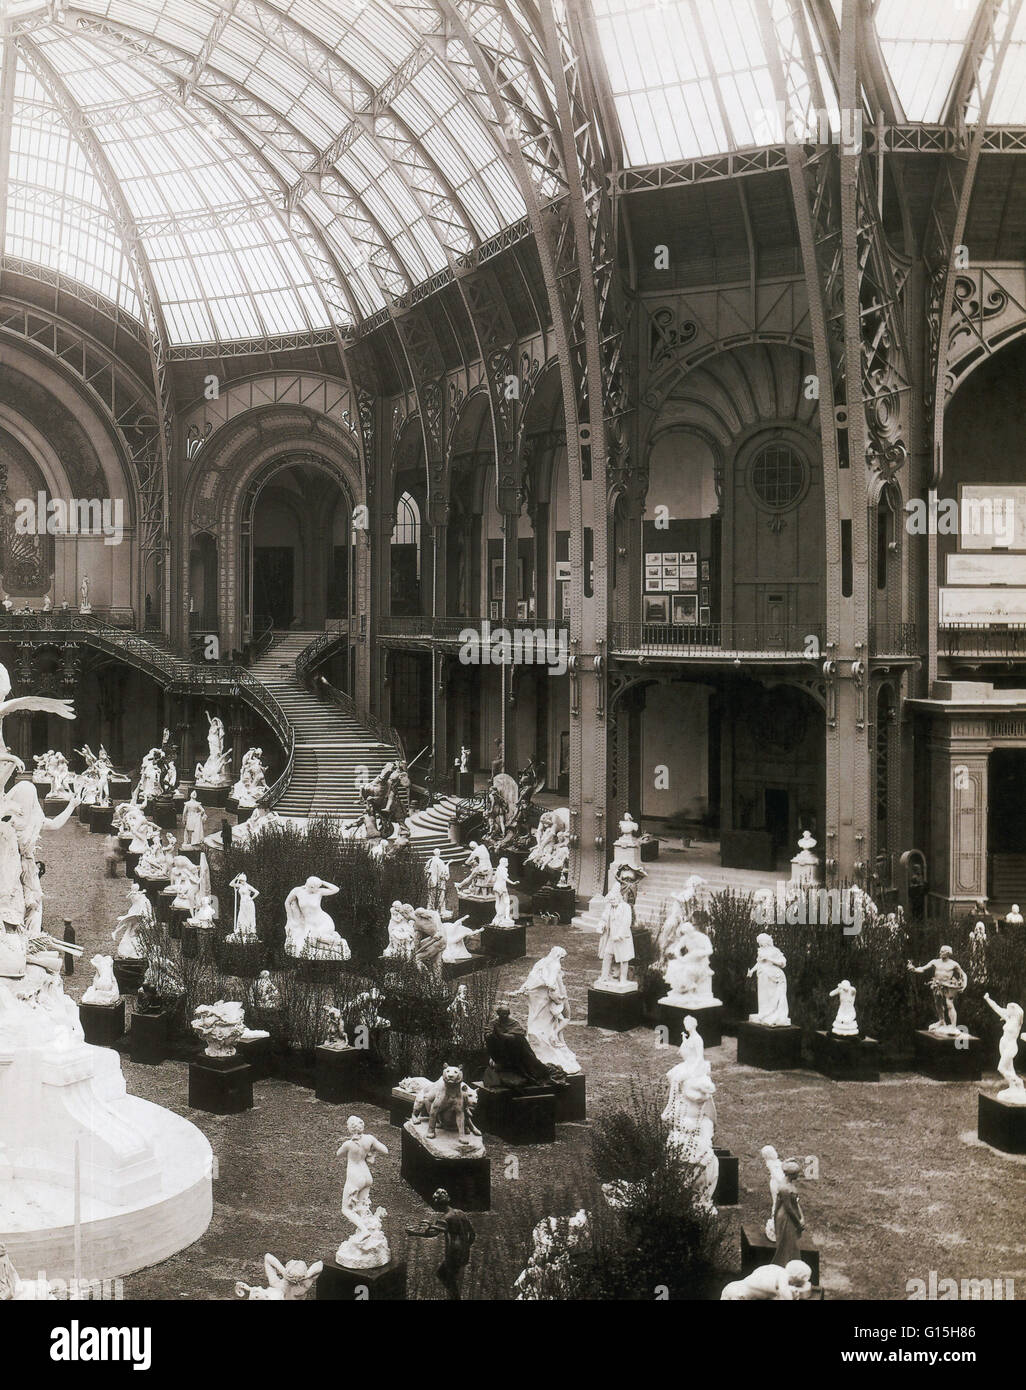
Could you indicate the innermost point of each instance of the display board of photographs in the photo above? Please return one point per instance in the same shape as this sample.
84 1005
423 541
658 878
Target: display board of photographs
671 587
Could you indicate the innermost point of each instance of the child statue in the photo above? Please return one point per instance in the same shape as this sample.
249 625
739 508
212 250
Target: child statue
1012 1017
845 1025
949 980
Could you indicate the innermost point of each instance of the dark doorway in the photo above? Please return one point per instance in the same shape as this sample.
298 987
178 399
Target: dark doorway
273 582
778 818
1006 825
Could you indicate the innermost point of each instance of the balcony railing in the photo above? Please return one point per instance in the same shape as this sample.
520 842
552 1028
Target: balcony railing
427 628
894 639
798 640
969 639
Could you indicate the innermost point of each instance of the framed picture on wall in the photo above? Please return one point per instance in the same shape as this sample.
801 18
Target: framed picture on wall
704 594
705 571
688 584
496 579
656 610
495 610
653 557
562 571
685 609
705 616
670 557
522 613
653 571
670 585
653 584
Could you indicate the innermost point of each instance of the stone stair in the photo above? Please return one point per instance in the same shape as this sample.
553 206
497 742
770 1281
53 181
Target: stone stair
330 745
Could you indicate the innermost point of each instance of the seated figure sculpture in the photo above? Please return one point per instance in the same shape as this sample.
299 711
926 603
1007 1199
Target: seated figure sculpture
511 1059
688 972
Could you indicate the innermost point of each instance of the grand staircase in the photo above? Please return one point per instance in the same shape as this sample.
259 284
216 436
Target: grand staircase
331 746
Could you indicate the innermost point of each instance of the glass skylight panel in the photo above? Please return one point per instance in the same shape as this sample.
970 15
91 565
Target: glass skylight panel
922 45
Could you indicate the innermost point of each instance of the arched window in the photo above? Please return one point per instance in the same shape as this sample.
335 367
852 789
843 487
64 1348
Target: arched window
407 525
406 596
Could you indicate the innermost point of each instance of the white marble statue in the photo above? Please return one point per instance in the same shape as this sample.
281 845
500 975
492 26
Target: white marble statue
845 1025
501 883
948 982
1011 1017
628 832
248 832
205 914
437 873
84 606
616 943
265 995
463 761
777 1179
213 772
1014 918
309 931
133 926
772 984
771 1284
692 1121
683 904
688 972
402 934
222 1026
252 784
157 859
60 776
479 881
548 1012
104 988
185 883
551 848
194 820
456 935
288 1283
244 929
367 1247
335 1035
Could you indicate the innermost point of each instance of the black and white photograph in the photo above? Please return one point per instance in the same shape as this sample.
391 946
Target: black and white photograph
512 666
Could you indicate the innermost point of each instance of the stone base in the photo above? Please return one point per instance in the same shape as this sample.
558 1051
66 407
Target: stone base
164 811
197 941
315 971
728 1182
337 1284
504 943
191 852
478 911
256 1053
1001 1126
212 796
938 1056
709 1020
244 959
129 974
610 1009
467 1180
456 969
103 1024
463 783
400 1107
572 1101
82 813
846 1058
131 862
148 1038
339 1074
220 1085
756 1250
101 819
519 1117
772 1049
561 901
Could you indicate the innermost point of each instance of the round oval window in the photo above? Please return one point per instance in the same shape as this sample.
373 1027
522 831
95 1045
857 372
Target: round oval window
778 476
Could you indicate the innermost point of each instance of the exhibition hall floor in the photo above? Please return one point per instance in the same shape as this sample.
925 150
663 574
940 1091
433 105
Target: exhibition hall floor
903 1189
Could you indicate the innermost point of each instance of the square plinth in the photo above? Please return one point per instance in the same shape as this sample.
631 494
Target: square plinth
1001 1126
728 1182
400 1107
103 1024
387 1283
340 1074
708 1018
772 1049
572 1101
129 974
101 819
148 1037
165 812
948 1057
846 1058
478 911
504 943
756 1250
467 1180
456 969
527 1116
220 1085
212 796
610 1009
257 1053
197 941
463 784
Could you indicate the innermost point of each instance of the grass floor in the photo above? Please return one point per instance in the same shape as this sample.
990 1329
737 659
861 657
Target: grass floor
903 1188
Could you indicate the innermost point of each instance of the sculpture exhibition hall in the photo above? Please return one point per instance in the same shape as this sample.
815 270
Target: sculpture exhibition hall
512 787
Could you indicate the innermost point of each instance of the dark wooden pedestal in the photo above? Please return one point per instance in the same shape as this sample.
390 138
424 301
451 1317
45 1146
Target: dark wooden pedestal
619 1012
220 1085
772 1049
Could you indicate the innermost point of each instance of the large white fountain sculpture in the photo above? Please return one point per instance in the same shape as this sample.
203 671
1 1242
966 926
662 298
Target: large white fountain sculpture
144 1174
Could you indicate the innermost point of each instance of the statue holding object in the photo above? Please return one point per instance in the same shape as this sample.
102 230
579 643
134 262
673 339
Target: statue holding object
948 982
